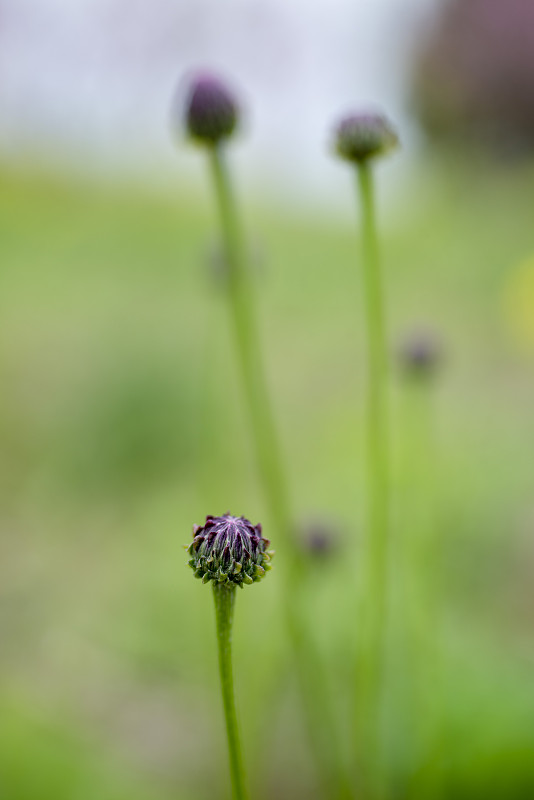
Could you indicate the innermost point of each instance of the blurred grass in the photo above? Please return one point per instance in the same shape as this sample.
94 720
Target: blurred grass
121 425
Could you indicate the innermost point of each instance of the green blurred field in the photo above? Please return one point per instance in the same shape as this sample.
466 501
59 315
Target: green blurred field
121 425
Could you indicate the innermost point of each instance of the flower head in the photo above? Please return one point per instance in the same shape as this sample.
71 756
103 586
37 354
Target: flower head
229 549
211 111
359 137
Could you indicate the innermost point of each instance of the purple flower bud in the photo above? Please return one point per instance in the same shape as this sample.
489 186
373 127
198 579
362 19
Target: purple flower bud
362 136
211 111
420 354
318 538
229 550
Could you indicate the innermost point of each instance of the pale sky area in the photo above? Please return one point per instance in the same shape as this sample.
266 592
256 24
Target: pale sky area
91 81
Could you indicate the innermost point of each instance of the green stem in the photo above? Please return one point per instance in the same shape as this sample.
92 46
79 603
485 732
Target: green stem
419 563
247 343
375 558
270 466
224 596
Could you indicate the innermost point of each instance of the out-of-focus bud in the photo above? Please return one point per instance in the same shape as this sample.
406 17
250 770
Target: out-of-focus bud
318 538
229 550
420 354
359 137
211 111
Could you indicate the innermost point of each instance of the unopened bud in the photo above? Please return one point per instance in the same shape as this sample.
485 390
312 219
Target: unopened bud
363 136
229 550
420 354
211 111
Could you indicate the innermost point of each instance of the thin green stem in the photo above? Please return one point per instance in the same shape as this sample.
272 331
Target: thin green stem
246 334
419 562
315 699
224 596
372 612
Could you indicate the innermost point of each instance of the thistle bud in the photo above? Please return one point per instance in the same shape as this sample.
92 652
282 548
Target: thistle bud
318 538
420 355
229 550
359 137
211 112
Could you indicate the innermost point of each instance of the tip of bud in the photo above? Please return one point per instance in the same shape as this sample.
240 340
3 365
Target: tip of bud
211 110
361 136
229 549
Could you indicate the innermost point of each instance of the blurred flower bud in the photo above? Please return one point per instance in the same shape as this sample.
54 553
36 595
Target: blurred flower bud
318 538
229 550
211 111
359 137
420 354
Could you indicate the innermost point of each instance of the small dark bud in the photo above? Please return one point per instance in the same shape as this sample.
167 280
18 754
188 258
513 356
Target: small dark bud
318 538
211 111
362 136
420 355
229 550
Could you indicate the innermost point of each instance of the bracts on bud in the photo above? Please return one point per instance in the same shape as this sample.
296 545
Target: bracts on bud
229 549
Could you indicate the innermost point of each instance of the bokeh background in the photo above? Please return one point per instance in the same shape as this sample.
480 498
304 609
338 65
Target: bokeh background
122 424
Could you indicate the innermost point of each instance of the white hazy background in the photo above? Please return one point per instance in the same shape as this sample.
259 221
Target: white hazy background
89 83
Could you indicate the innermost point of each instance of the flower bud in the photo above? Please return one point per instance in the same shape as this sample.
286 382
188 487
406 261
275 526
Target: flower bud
318 538
211 112
359 137
229 550
420 355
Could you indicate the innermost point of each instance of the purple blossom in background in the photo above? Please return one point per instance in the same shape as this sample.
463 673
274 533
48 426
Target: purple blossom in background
474 74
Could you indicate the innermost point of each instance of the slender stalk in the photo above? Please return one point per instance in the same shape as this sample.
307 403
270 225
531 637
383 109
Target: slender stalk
224 596
246 336
422 588
315 701
372 611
